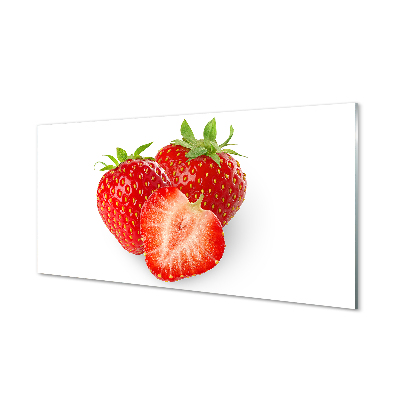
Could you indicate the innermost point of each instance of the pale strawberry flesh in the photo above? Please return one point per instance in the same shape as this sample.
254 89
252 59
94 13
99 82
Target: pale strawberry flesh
180 239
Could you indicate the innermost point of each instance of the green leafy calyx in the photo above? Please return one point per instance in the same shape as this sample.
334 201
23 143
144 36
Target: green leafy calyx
122 156
207 146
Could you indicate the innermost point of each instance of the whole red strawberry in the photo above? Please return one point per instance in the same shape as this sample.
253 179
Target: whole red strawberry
203 167
180 238
122 192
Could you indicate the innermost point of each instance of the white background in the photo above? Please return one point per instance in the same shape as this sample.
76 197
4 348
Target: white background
71 61
292 240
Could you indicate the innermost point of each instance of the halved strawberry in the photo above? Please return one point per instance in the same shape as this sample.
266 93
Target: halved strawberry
180 238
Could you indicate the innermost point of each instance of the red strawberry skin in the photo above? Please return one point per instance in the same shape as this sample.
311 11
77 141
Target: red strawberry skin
224 187
121 194
180 239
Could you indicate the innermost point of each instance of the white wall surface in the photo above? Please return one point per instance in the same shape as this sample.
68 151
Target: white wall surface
87 60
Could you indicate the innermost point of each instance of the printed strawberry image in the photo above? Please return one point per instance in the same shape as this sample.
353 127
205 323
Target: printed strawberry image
202 167
122 192
180 238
